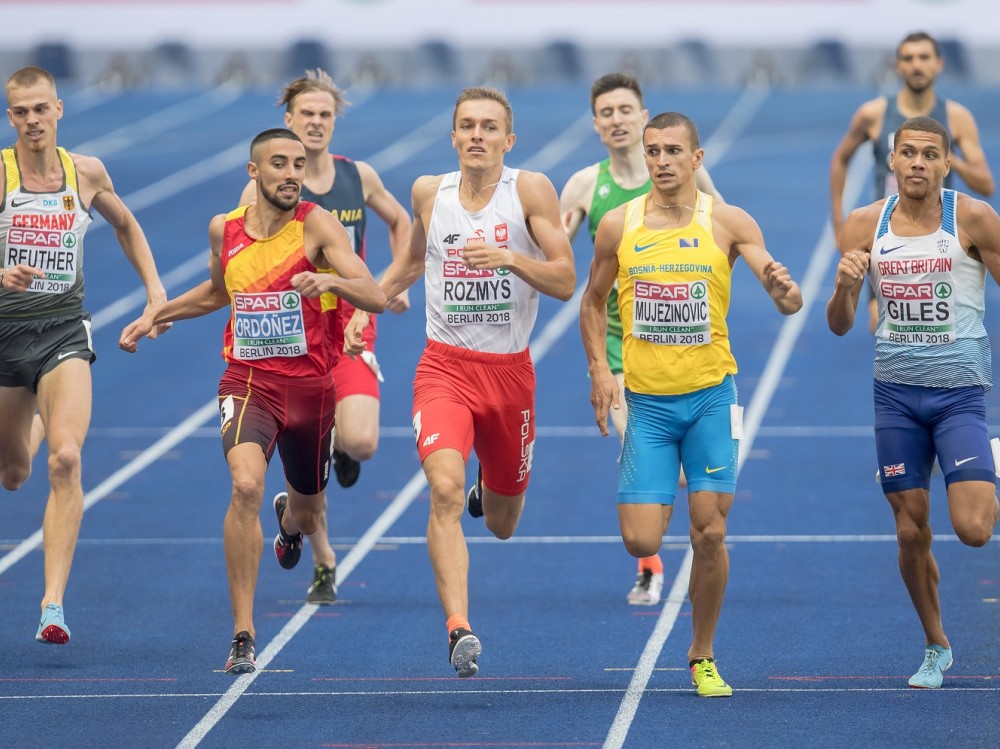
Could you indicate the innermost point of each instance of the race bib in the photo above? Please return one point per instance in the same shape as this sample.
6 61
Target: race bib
268 324
671 314
476 297
921 313
53 251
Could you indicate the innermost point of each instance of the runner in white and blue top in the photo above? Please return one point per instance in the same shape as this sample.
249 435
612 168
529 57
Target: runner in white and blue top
931 304
926 252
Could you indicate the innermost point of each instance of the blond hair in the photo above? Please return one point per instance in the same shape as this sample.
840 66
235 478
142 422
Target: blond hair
313 80
30 76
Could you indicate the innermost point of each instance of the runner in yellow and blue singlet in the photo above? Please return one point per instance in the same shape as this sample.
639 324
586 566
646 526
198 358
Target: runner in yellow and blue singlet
672 253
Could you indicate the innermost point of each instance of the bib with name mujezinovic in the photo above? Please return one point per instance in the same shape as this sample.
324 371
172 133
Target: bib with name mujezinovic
268 324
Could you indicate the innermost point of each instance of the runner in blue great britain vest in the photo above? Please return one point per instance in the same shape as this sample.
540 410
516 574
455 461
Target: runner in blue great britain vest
926 251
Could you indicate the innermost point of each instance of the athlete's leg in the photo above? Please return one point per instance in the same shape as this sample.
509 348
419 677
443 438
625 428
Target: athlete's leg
64 402
643 526
356 432
20 437
445 471
242 535
501 512
303 512
917 565
974 510
319 539
709 568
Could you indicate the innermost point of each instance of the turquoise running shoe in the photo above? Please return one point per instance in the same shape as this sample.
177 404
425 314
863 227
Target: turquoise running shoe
937 660
52 628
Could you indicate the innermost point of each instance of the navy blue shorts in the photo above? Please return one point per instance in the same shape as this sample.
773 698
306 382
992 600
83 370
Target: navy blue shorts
914 423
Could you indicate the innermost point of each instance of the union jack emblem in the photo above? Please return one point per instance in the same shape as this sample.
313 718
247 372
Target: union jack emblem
896 469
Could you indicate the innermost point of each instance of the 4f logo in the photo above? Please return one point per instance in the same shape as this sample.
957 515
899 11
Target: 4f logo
451 238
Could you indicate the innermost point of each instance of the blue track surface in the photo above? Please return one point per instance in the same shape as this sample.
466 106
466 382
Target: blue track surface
817 634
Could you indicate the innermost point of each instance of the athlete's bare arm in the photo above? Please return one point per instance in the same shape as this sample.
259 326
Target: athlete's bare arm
980 232
405 269
594 315
971 166
391 211
96 188
855 248
737 232
328 246
203 299
555 275
576 197
864 125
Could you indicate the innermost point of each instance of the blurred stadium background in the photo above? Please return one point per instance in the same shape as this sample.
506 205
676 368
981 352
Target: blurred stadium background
117 44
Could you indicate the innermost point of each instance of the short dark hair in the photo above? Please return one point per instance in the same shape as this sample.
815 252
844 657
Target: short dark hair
611 82
919 36
924 125
672 119
275 133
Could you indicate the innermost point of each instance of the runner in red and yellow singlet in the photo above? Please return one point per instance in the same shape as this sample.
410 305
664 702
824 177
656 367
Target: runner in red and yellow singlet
281 344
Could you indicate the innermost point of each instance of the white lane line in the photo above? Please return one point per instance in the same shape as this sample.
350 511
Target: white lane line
559 148
148 456
733 124
225 161
383 693
791 328
166 119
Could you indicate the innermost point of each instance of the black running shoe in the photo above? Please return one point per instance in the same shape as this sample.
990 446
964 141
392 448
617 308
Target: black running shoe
463 651
475 496
288 549
241 657
324 585
346 468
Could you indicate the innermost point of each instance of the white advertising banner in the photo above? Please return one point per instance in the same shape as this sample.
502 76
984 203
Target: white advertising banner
242 24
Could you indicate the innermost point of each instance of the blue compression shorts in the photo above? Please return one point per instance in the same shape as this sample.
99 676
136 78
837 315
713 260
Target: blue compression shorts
913 423
702 430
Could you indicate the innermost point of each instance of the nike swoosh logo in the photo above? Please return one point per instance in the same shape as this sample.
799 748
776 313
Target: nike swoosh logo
715 470
16 204
959 462
641 247
884 251
68 353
